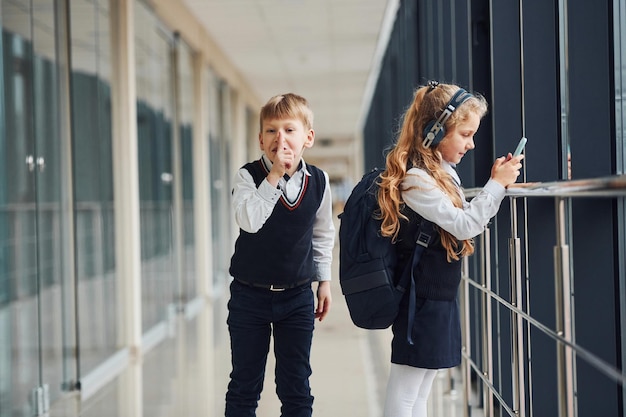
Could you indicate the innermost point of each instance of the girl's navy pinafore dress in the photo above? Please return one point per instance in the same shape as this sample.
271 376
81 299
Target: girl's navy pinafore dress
436 336
436 329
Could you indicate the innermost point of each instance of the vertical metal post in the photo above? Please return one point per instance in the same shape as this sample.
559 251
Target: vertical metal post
563 314
621 221
521 67
564 88
517 325
69 302
619 41
523 122
177 171
565 370
465 332
487 325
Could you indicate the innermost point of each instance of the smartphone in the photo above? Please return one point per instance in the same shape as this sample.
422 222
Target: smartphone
520 146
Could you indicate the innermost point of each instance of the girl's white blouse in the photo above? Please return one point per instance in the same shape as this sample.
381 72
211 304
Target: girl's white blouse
432 203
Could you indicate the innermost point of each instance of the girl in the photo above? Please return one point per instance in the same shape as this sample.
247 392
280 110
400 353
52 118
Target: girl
420 182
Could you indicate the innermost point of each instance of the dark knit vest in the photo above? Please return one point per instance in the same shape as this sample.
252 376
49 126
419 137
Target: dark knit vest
281 252
435 277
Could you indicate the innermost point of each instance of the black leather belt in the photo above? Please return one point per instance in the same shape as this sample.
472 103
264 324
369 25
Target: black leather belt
276 287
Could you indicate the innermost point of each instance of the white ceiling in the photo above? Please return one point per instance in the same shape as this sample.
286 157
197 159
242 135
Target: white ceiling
324 50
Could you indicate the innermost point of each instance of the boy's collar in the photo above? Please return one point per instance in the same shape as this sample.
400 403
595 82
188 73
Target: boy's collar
268 164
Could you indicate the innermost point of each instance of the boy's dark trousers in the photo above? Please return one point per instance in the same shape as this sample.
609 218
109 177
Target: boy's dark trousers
253 313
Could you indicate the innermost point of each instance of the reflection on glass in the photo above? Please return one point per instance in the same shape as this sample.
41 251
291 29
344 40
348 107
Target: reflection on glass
93 181
19 350
185 83
569 164
154 135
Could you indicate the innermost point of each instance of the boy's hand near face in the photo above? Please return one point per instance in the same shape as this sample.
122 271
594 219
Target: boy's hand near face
324 300
284 155
282 163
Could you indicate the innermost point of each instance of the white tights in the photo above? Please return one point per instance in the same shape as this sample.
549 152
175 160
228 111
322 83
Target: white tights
407 391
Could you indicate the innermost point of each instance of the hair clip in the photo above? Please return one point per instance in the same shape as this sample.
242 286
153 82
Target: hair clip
433 84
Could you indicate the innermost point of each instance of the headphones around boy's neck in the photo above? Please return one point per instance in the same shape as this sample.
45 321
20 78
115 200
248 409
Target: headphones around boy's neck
434 131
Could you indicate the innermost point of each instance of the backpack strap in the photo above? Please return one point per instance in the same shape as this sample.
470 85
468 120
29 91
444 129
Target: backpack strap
425 235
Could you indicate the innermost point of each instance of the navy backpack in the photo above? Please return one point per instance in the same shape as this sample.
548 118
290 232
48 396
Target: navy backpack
367 261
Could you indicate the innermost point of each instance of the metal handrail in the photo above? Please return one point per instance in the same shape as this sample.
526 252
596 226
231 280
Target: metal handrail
611 186
567 349
601 365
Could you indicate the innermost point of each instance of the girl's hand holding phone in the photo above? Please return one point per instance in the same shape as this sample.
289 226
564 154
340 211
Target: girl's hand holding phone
505 170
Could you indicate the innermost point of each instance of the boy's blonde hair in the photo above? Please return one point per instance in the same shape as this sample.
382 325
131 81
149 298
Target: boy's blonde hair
287 106
409 151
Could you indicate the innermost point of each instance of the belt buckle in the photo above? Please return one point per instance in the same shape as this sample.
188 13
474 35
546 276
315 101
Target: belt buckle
272 288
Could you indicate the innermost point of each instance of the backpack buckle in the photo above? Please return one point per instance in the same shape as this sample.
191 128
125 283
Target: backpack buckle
423 239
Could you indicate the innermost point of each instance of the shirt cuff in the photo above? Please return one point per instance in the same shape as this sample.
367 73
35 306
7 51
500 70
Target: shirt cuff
268 192
496 189
323 272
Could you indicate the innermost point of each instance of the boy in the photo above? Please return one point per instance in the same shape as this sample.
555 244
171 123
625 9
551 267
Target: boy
283 209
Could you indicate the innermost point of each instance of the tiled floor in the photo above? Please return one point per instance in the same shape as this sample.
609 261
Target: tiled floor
187 372
181 377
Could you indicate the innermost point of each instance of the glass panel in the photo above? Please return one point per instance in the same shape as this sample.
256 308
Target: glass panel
154 135
19 301
185 80
93 181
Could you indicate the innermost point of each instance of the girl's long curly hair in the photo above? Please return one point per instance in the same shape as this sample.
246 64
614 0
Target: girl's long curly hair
428 104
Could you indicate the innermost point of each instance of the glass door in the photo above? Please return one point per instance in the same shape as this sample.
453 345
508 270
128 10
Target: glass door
37 353
19 286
